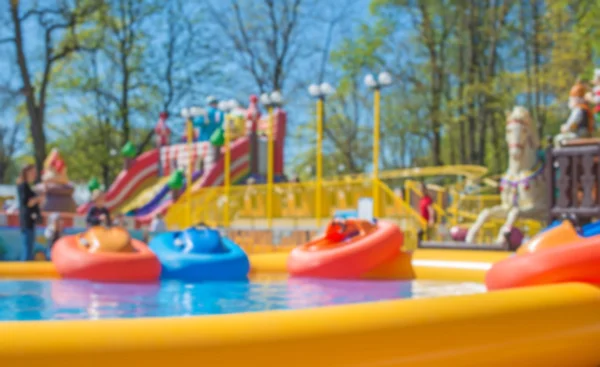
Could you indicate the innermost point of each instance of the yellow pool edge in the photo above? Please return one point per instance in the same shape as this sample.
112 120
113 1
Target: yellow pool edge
476 330
452 265
556 325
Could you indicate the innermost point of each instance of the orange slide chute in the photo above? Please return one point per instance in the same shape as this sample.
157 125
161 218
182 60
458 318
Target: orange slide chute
130 181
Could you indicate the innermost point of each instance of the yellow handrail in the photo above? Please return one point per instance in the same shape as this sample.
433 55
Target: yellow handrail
294 204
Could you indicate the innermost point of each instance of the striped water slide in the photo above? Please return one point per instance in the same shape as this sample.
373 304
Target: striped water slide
240 164
130 182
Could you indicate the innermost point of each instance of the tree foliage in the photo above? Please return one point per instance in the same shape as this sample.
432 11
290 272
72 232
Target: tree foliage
460 64
88 76
59 29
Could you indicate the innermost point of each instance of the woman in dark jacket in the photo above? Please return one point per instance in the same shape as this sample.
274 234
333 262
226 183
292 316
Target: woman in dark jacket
29 210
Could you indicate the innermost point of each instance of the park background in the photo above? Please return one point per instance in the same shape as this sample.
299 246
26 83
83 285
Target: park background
86 76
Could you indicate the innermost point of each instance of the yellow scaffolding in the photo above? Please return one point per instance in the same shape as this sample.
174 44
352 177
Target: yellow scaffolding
294 205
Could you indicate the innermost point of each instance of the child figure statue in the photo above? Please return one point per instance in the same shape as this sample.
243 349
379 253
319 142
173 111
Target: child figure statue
594 96
580 123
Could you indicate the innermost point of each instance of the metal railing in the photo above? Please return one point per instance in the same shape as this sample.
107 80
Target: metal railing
294 205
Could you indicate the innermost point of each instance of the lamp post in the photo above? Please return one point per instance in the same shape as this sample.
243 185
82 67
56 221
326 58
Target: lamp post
320 92
227 107
270 101
187 114
375 84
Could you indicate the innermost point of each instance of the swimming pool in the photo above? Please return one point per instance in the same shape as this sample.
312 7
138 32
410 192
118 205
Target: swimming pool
25 300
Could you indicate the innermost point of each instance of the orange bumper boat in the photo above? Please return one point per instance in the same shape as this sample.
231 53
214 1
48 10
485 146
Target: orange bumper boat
348 250
107 255
558 255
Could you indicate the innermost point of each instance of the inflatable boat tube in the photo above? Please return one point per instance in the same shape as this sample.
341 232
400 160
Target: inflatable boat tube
105 255
558 235
199 254
571 262
348 250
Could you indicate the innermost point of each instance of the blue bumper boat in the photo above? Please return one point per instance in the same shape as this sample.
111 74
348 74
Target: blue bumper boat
199 254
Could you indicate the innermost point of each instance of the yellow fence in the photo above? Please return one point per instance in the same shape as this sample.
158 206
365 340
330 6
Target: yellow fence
294 206
352 188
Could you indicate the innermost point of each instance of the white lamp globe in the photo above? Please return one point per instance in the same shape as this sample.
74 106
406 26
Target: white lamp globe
327 89
314 90
264 99
276 97
233 104
195 111
385 78
223 105
370 81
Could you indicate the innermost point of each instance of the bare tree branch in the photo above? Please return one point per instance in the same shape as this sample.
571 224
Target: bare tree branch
265 50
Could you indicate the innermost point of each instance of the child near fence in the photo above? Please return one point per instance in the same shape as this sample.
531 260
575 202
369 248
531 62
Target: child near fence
53 232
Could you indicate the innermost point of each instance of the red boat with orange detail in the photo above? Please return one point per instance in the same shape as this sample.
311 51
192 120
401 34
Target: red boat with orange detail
348 250
105 254
557 255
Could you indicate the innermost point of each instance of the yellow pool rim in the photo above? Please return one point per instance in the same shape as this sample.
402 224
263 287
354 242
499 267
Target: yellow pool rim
452 265
556 325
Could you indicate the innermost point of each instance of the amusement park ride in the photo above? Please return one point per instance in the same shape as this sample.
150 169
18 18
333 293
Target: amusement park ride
565 186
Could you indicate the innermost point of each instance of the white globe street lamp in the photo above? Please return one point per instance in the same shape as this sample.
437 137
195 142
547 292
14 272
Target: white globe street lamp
320 92
270 101
382 80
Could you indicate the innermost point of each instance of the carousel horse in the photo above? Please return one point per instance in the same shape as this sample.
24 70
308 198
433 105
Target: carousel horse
523 188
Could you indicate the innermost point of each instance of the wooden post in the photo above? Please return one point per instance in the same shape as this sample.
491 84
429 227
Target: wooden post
550 177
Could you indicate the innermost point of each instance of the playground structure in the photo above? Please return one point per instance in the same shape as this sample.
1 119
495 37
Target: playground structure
141 188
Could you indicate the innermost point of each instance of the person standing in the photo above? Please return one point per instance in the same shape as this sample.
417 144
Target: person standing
163 136
29 210
53 232
426 209
158 224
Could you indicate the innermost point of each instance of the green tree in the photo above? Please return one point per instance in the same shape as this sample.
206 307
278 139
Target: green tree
59 29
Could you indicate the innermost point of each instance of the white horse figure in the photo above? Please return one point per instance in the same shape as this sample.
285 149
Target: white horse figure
523 188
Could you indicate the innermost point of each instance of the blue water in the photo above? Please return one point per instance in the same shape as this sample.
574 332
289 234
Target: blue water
71 300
